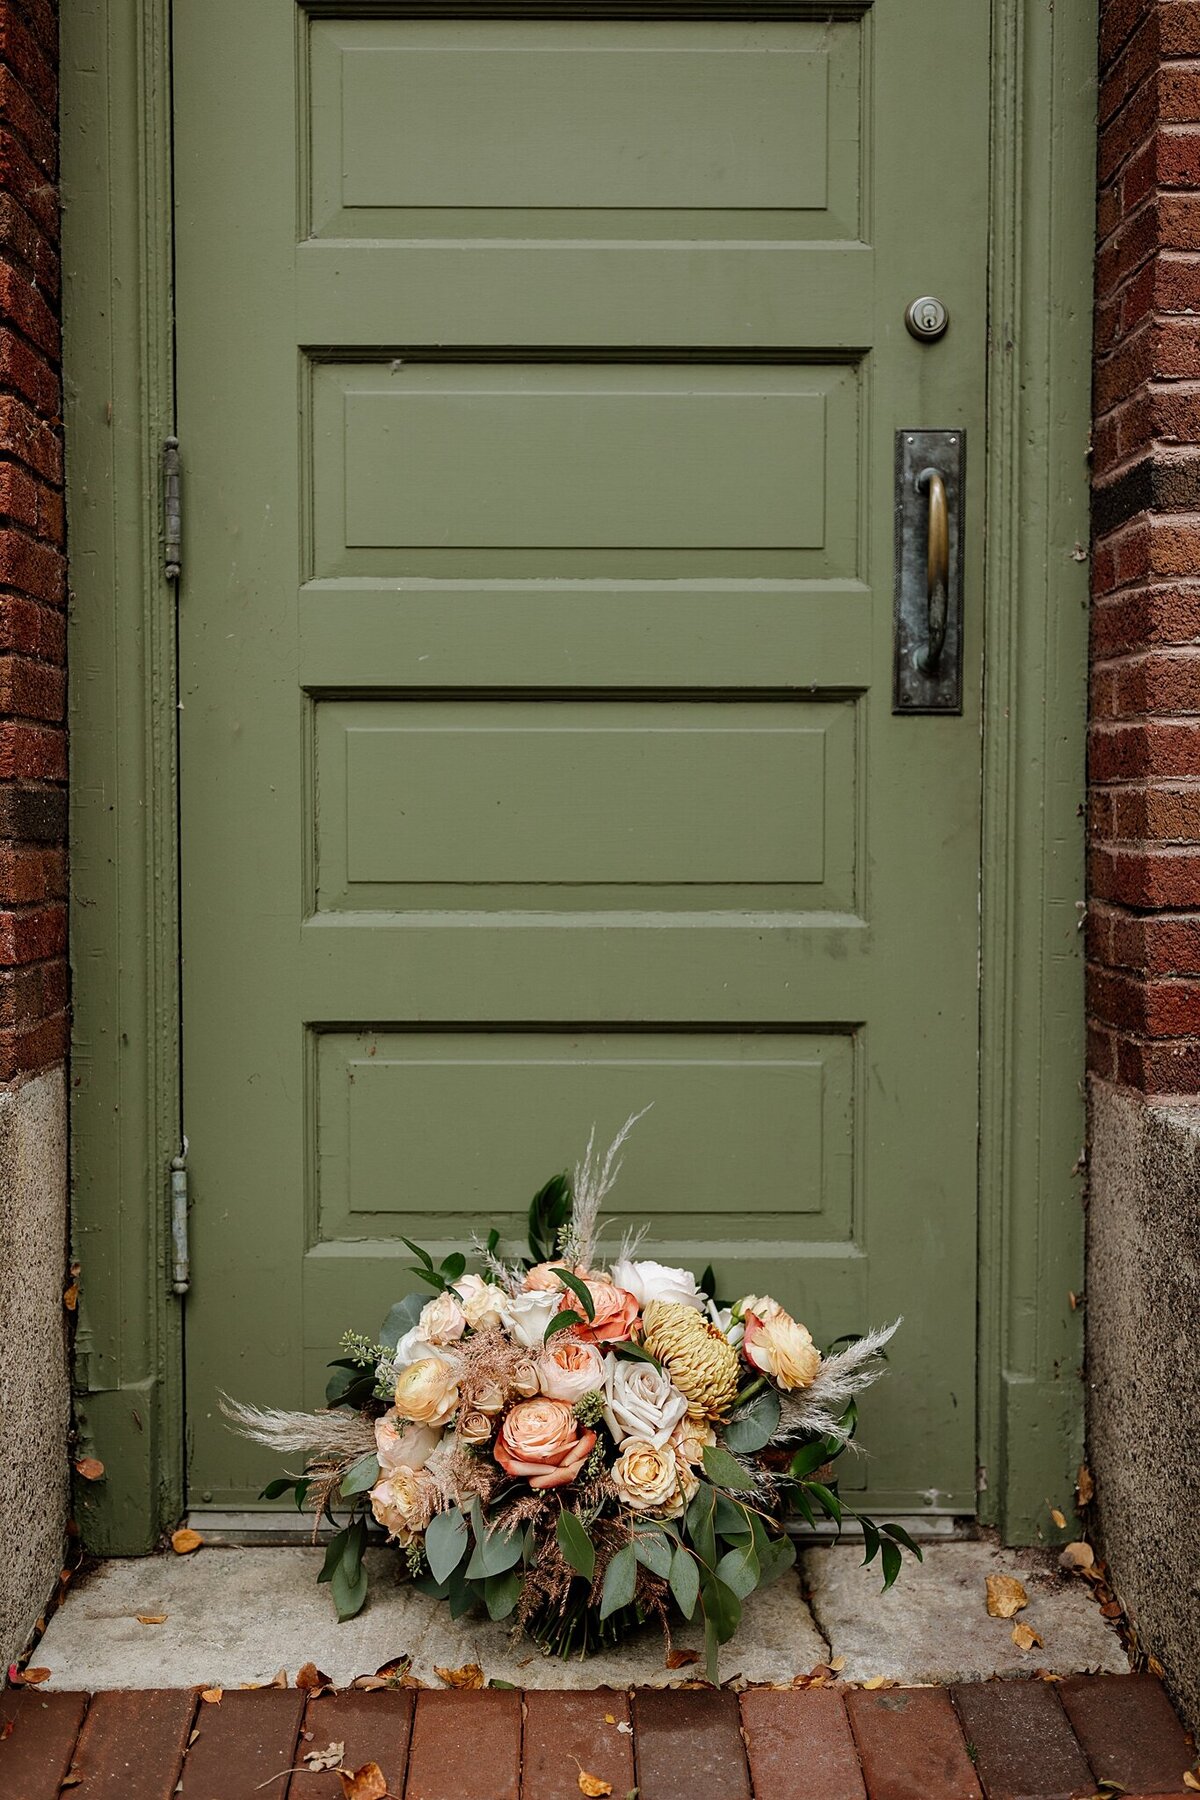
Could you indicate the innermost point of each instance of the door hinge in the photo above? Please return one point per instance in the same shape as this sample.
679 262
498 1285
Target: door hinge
181 1270
172 511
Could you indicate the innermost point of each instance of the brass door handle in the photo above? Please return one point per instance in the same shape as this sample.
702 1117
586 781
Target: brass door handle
937 567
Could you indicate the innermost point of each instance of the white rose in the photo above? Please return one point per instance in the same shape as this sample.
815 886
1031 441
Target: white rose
526 1316
648 1281
413 1347
481 1302
640 1401
442 1321
401 1445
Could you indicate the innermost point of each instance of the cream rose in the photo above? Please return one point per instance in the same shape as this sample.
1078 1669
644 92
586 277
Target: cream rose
481 1302
401 1445
658 1281
691 1438
640 1401
777 1344
526 1316
568 1371
442 1321
541 1440
413 1347
645 1475
427 1391
404 1503
524 1379
474 1427
488 1397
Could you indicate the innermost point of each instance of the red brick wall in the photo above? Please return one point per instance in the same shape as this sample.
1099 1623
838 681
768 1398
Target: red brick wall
33 741
1144 739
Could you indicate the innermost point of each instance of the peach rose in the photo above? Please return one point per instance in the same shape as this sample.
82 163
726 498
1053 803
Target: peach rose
778 1345
427 1391
615 1315
474 1427
541 1440
442 1321
401 1445
568 1371
524 1379
543 1277
404 1503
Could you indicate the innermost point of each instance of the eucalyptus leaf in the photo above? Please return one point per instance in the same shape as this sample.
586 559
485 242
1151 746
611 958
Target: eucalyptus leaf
725 1470
575 1544
712 1644
685 1581
721 1606
495 1553
348 1590
445 1543
756 1426
739 1570
356 1543
620 1582
653 1550
333 1555
732 1520
402 1317
501 1593
349 1387
775 1560
700 1524
360 1475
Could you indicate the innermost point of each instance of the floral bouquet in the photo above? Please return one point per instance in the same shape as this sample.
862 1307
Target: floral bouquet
579 1449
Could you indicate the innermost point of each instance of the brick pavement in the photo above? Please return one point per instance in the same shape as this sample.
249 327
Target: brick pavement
998 1740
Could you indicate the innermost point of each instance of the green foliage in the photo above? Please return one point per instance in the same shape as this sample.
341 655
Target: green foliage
446 1543
549 1213
575 1544
560 1322
402 1317
360 1476
725 1470
349 1384
620 1582
755 1426
653 1549
581 1290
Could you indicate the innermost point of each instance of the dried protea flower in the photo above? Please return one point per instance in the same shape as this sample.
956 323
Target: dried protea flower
698 1357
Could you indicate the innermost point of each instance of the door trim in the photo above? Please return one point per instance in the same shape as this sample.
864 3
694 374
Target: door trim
119 406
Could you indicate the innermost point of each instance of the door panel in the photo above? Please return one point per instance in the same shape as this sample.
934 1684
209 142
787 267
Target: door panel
538 383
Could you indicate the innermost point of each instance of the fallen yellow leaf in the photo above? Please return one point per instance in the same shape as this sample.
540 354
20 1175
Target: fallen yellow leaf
1005 1596
71 1296
151 1618
838 1664
185 1540
877 1681
1190 1781
212 1695
610 1718
366 1783
593 1786
1059 1518
1085 1487
469 1676
32 1677
1024 1636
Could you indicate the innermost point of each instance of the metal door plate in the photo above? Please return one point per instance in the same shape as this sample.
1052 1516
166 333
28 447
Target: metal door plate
937 690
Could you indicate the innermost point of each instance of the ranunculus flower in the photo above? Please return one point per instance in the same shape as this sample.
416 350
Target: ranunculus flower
567 1370
427 1391
474 1427
541 1440
404 1503
527 1315
616 1312
640 1401
481 1302
658 1281
645 1475
442 1320
777 1344
402 1445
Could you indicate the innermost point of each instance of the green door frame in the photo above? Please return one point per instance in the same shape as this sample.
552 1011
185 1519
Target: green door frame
116 156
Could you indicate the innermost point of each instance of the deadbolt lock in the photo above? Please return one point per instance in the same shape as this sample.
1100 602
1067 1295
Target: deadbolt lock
927 318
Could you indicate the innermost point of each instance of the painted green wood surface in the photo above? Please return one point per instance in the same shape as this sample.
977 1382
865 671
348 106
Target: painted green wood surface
437 917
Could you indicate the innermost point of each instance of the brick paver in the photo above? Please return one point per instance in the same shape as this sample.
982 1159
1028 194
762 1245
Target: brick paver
1021 1743
688 1743
465 1743
370 1727
568 1733
998 1740
1129 1732
911 1745
799 1745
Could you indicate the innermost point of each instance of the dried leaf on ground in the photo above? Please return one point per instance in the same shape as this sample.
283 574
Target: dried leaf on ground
185 1540
213 1695
1005 1596
151 1618
71 1779
366 1783
610 1718
329 1758
90 1468
1059 1518
593 1785
1190 1781
1077 1556
837 1664
878 1681
1085 1487
31 1677
1024 1636
312 1680
679 1659
469 1676
71 1296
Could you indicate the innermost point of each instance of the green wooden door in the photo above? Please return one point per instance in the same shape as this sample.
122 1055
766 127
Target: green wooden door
538 382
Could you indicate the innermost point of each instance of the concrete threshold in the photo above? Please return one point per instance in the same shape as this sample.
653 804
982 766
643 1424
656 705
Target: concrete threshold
225 1616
